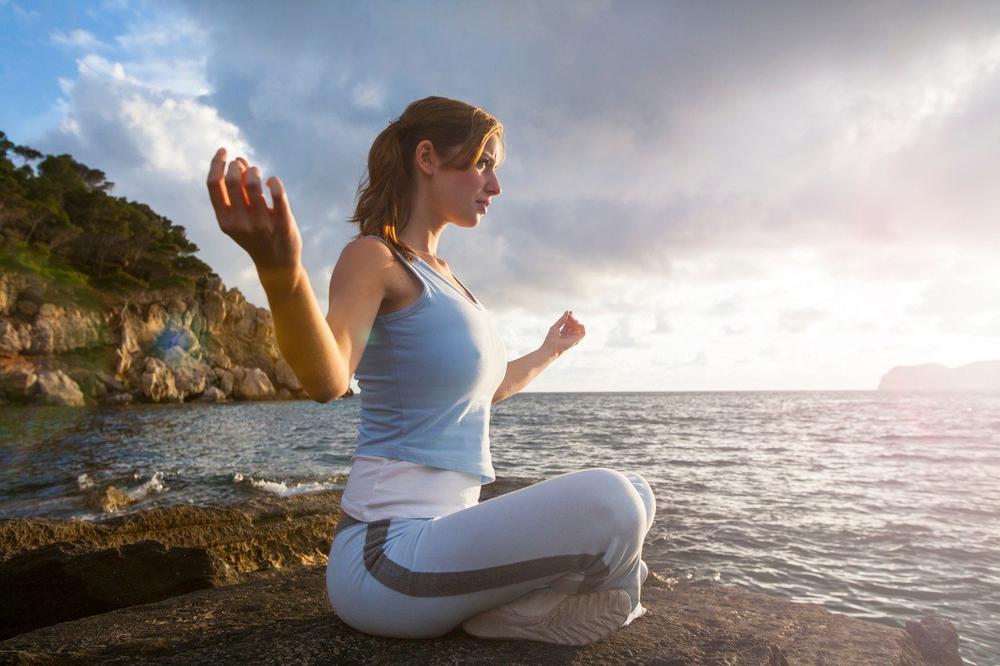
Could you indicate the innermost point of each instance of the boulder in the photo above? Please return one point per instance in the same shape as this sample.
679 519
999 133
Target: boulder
226 381
252 384
936 639
108 500
18 383
190 374
55 387
213 394
285 376
158 382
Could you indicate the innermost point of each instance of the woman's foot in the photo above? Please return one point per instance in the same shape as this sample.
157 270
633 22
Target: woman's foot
576 619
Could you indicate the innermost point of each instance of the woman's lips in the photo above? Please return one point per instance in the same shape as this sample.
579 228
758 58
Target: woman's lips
482 206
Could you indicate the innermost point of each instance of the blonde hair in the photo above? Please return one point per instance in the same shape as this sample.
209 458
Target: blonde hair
384 195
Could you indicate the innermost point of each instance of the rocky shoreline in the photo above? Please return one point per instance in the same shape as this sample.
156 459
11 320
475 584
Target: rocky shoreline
210 344
246 582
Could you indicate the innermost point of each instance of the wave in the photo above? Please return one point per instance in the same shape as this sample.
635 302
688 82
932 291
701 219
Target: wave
282 489
154 485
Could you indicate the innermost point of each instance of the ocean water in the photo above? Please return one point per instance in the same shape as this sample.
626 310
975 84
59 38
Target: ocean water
881 506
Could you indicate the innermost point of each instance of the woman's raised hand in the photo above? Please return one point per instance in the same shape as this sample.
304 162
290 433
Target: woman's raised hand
565 333
269 235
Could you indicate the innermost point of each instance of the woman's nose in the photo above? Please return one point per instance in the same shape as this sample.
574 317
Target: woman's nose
493 186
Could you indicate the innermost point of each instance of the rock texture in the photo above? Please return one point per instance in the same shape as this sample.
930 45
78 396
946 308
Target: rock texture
83 568
113 577
982 376
63 581
151 347
285 617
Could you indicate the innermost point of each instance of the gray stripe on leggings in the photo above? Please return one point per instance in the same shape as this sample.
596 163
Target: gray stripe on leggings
446 583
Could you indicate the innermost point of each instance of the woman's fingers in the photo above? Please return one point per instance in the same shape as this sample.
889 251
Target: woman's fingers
279 199
255 196
234 186
216 185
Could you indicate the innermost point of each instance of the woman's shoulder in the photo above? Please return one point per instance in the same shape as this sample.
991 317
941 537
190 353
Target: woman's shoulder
367 251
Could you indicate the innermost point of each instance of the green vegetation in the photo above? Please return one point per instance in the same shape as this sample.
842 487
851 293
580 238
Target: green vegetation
58 220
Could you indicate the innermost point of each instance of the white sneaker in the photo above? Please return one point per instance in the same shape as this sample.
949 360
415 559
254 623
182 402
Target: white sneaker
554 617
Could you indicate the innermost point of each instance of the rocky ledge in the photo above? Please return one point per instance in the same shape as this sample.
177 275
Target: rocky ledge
210 344
246 583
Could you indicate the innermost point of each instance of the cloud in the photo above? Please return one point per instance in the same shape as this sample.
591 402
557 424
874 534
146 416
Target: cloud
805 128
726 165
155 144
798 320
77 39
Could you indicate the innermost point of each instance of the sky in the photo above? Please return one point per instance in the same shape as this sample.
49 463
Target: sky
729 196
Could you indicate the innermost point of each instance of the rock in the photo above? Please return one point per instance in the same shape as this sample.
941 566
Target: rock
285 617
253 384
27 308
178 337
61 582
42 339
158 382
171 325
18 383
220 359
285 376
10 340
226 381
190 374
55 387
109 500
936 639
213 394
58 329
261 533
214 306
110 382
117 399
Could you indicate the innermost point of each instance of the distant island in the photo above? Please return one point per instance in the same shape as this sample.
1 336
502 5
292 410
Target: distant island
981 376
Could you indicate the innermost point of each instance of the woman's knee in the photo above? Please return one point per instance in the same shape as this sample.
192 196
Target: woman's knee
613 496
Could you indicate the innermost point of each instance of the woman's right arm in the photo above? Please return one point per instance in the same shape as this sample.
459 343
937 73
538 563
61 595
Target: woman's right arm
323 355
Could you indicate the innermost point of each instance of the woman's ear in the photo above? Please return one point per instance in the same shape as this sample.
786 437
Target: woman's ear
426 158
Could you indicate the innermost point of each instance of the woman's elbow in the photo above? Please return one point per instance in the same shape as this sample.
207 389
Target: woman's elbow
327 393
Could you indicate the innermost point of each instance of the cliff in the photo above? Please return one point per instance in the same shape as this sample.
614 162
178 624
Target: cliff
246 583
982 376
208 343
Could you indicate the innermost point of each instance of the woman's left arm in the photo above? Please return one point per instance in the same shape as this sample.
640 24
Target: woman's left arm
563 334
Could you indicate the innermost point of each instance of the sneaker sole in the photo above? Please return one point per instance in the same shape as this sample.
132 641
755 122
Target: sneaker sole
579 620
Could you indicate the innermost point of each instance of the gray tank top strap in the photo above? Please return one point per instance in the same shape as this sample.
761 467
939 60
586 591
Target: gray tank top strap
414 268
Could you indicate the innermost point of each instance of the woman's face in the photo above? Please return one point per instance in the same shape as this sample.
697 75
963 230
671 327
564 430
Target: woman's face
462 195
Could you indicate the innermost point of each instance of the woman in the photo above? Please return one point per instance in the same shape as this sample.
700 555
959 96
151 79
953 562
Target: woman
416 554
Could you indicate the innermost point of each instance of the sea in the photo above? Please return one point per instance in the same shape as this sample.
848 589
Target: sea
883 506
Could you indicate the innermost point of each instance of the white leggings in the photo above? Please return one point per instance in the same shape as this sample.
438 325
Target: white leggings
422 577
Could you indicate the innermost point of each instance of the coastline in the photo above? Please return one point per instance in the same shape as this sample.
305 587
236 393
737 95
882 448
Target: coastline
216 582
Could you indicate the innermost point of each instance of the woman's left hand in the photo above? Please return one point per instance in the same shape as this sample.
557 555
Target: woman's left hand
565 333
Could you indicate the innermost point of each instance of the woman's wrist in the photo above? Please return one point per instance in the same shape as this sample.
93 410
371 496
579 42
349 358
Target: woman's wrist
549 353
280 280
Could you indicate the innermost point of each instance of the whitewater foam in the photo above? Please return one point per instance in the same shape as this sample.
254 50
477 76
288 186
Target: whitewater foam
154 485
282 489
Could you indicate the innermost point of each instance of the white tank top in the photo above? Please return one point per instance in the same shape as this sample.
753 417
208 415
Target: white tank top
379 488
